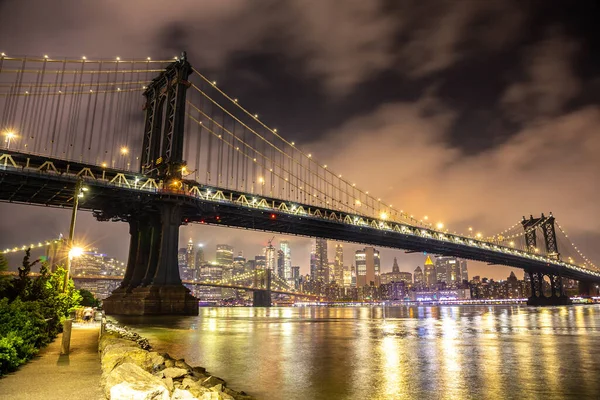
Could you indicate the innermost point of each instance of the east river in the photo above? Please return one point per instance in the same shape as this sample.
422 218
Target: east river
413 352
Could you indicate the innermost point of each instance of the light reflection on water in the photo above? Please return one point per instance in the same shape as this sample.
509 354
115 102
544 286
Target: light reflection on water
429 352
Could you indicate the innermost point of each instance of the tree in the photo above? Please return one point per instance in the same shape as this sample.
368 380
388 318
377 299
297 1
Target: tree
3 263
88 299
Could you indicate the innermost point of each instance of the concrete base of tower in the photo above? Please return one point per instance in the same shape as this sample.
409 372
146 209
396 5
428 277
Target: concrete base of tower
262 298
152 300
549 301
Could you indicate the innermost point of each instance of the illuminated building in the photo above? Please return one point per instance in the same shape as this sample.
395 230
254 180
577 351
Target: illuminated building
347 279
191 260
270 258
429 274
224 255
367 267
321 263
284 246
418 277
313 263
338 268
396 275
260 262
450 270
239 263
280 264
200 255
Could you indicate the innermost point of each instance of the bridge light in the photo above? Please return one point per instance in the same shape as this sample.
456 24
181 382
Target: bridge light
293 143
46 56
440 225
118 58
148 59
273 216
124 150
261 180
383 215
103 165
512 244
478 235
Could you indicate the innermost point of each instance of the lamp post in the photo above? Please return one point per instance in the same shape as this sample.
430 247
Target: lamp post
9 137
73 251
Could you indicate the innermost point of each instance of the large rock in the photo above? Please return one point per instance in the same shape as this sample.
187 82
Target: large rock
181 394
194 387
212 381
129 381
119 355
173 372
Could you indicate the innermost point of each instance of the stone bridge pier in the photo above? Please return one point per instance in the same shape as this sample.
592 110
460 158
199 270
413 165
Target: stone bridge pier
152 285
556 296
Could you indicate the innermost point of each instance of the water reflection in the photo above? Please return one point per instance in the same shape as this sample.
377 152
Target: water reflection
423 352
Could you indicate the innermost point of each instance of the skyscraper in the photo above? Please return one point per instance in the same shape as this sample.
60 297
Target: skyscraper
200 256
418 276
448 270
338 267
463 270
239 263
280 264
313 263
368 266
321 263
395 267
270 258
190 259
224 255
430 277
284 246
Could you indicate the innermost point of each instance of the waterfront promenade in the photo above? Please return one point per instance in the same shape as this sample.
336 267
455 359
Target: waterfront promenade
51 376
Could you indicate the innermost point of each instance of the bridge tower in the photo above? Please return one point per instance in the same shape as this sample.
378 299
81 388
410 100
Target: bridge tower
262 297
536 277
152 284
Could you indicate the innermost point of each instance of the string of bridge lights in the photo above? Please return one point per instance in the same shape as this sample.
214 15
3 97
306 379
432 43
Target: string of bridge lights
586 260
29 246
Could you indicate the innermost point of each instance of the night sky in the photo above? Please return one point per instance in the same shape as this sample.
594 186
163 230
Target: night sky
474 113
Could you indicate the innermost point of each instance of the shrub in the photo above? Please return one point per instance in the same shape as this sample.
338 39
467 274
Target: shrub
31 312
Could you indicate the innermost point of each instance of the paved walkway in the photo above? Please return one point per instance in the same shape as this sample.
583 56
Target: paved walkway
50 376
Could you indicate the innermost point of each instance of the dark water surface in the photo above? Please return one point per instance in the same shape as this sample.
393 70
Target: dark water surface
427 352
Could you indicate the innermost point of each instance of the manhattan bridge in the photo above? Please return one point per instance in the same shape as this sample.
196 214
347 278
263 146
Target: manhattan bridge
156 144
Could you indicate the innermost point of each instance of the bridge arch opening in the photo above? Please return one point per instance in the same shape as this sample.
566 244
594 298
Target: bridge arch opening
546 286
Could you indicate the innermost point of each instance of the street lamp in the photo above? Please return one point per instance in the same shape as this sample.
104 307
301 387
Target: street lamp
73 251
10 135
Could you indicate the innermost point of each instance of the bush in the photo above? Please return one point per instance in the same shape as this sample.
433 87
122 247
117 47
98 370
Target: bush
31 312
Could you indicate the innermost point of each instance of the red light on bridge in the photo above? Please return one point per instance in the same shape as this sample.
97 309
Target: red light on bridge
273 216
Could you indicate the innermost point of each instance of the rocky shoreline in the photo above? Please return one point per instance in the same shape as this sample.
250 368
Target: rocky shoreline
131 370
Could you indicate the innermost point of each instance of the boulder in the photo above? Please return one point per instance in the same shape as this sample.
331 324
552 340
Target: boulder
217 388
212 381
173 372
237 395
169 362
181 394
182 364
129 381
194 387
120 355
169 383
